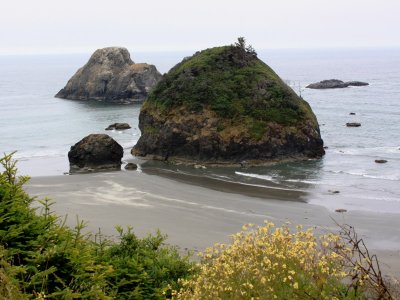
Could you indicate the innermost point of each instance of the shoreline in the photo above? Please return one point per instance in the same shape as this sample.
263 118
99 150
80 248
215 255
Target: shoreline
196 215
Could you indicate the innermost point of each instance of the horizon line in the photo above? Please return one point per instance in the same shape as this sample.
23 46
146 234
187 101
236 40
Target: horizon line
77 52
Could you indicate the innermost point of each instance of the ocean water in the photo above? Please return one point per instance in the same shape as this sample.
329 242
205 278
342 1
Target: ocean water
42 128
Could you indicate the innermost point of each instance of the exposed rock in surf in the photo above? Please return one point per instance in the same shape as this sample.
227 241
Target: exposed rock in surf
353 124
95 152
334 84
356 83
130 166
224 105
111 76
334 191
118 126
380 161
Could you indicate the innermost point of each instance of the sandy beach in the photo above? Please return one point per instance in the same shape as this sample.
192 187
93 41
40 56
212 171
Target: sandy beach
196 213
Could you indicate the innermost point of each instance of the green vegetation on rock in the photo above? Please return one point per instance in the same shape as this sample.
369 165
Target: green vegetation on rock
234 83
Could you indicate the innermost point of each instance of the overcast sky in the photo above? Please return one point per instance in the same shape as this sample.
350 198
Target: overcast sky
51 26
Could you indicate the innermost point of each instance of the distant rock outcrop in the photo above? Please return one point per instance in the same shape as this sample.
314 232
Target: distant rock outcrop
111 76
380 161
224 105
118 126
334 84
353 124
95 152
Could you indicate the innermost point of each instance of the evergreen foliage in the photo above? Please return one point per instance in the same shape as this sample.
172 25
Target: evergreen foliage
41 257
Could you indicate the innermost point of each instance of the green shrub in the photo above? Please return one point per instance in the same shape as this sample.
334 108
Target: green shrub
41 257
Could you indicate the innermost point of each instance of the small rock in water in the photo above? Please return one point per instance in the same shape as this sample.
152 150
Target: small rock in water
118 126
352 113
353 124
341 210
131 166
325 147
334 192
380 161
334 84
95 152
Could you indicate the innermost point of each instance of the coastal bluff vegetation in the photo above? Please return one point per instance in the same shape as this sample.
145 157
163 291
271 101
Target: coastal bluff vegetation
110 75
224 105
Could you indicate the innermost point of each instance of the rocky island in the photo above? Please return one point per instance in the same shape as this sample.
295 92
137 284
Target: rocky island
225 106
111 76
334 84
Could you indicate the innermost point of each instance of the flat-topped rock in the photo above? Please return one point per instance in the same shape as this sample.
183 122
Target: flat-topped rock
334 84
110 75
356 83
353 124
380 161
118 126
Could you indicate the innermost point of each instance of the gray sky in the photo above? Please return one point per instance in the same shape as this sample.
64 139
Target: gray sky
50 26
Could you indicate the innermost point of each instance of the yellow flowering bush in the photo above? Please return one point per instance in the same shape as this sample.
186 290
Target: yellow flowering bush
268 262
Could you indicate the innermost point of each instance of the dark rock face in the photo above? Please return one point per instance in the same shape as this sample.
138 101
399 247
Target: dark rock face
111 76
353 124
195 138
334 84
118 126
356 83
380 161
178 123
95 152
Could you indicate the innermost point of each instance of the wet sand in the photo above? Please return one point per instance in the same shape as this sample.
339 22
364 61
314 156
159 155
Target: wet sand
196 213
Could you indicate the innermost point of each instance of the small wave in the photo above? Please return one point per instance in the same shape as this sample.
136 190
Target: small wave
369 151
39 154
258 176
231 181
362 174
383 177
304 181
221 176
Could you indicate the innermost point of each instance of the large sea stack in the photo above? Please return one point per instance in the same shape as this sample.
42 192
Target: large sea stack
224 105
111 76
